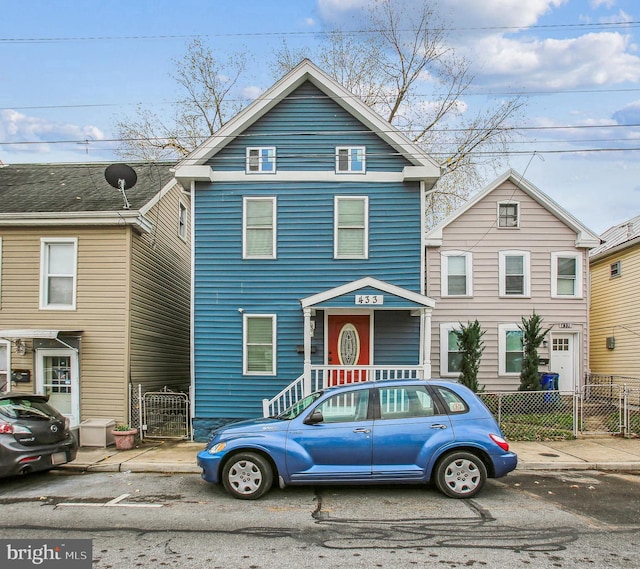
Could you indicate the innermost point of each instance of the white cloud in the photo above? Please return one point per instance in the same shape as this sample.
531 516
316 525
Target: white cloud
498 13
551 64
18 127
25 135
606 3
252 92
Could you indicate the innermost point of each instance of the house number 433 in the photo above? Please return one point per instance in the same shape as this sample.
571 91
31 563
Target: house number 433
369 298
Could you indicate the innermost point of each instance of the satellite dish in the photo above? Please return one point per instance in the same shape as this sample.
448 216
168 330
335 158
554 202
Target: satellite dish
121 177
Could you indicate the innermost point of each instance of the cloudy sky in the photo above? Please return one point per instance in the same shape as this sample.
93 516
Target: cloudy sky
69 70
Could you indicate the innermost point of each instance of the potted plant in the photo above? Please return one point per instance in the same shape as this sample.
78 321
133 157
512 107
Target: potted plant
124 436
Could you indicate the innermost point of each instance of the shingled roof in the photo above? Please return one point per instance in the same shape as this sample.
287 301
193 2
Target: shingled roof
75 188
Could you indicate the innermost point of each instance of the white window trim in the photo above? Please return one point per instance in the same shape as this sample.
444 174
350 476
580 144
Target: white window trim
274 227
260 161
445 328
274 346
554 274
444 274
502 273
618 269
508 202
365 253
502 349
44 241
350 149
183 224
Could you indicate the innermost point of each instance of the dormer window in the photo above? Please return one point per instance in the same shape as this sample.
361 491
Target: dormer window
508 215
350 159
261 160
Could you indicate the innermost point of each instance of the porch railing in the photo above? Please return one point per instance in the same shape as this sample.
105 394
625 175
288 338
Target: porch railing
330 376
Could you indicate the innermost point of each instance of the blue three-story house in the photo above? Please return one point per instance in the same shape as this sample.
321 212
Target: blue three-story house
308 251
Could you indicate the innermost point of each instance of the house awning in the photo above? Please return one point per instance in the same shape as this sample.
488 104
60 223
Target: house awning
40 334
29 333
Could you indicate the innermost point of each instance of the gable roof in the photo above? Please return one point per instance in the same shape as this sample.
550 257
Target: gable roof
584 236
365 282
424 166
618 237
52 194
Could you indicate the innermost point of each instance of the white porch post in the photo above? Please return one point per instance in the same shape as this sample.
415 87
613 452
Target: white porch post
425 348
307 351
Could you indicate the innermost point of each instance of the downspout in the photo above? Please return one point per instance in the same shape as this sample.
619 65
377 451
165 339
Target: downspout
192 382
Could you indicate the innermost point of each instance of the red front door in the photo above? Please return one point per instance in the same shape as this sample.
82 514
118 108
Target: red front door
348 345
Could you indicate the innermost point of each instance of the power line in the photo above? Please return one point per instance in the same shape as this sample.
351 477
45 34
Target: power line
578 26
521 93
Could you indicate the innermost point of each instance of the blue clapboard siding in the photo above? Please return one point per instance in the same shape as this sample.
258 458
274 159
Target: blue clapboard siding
306 127
225 283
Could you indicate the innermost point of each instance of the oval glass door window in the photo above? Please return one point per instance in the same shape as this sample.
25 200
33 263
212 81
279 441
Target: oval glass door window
348 345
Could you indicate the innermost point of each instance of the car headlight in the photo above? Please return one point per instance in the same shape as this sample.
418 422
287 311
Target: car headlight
217 448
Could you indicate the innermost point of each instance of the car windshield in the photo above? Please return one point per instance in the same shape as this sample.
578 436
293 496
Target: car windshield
295 410
22 408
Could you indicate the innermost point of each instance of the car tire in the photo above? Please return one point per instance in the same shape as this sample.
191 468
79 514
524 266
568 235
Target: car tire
247 476
460 474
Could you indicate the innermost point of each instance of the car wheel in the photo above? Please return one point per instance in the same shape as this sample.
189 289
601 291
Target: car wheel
247 476
460 474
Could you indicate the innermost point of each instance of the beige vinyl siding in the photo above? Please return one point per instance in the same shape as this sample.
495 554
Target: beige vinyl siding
160 299
100 312
615 312
540 233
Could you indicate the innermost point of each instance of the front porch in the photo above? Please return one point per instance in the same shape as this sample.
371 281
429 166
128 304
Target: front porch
365 330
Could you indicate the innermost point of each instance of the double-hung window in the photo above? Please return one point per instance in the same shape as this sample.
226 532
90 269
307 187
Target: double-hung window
450 355
511 350
261 160
259 228
456 274
566 271
182 221
514 273
615 269
351 159
58 273
259 349
351 233
508 215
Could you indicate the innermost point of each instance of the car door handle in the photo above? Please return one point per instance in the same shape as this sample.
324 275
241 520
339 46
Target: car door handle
362 430
438 426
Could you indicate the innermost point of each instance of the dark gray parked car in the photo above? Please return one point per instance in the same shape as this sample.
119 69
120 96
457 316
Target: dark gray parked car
33 435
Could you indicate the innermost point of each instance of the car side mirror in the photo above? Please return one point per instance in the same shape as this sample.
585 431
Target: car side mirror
315 418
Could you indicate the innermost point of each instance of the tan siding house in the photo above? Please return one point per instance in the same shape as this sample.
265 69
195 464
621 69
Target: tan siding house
94 296
508 252
615 310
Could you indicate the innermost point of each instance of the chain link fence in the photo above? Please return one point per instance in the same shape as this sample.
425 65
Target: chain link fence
606 405
534 415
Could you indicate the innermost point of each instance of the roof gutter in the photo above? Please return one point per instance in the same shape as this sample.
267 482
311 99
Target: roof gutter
615 249
132 218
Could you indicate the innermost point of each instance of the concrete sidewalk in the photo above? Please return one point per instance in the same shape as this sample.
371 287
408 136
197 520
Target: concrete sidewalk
607 453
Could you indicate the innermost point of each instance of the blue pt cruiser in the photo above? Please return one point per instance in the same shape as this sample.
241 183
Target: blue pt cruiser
397 431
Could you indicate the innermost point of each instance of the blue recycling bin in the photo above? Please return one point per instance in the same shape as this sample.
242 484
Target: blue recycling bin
549 383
